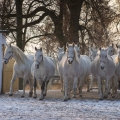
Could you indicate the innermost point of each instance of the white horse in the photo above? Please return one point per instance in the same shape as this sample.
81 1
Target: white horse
60 55
43 70
69 69
21 67
103 68
93 52
116 59
111 50
86 65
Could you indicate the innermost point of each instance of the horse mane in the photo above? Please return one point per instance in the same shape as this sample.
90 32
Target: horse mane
19 53
76 56
117 59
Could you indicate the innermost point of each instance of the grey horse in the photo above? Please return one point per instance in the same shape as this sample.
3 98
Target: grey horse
101 70
43 70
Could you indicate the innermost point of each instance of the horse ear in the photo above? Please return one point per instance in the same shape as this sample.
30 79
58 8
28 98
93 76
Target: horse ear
73 44
91 49
78 44
116 45
58 48
10 44
6 44
67 44
63 48
100 48
41 49
35 48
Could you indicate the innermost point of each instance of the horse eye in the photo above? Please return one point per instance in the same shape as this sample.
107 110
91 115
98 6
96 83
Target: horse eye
9 51
111 51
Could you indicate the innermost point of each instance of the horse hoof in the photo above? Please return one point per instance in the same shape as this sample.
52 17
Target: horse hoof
10 94
44 94
100 98
41 99
69 98
88 90
22 96
74 96
80 95
30 95
65 100
34 96
105 96
113 96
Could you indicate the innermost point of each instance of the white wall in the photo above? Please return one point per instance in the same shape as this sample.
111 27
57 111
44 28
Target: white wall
2 41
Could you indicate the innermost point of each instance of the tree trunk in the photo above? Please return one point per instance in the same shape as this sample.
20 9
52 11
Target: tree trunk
19 31
75 9
59 26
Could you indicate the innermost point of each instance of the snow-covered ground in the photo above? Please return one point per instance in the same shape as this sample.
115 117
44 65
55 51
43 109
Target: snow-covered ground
17 108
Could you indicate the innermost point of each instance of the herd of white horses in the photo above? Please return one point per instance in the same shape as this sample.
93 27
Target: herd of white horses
102 64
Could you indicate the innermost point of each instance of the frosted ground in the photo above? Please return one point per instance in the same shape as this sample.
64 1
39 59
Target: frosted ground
53 108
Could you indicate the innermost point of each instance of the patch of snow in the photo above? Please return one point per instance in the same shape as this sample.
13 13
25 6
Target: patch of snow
16 108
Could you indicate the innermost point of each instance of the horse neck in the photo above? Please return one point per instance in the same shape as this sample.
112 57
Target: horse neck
43 61
117 59
20 59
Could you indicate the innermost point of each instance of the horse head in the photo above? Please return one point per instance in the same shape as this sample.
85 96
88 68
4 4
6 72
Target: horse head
60 53
8 54
38 57
70 52
111 50
93 53
118 51
103 58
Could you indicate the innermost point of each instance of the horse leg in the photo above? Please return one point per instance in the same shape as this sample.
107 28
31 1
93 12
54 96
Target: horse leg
88 86
75 87
106 88
11 83
31 87
35 85
91 82
42 90
100 88
82 81
116 82
62 87
45 90
113 87
65 89
24 84
69 88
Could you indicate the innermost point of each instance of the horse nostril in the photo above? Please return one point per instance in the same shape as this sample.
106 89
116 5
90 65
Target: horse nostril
102 68
37 66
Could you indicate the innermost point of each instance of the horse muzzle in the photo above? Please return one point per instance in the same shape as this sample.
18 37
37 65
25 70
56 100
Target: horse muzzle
70 61
37 66
102 67
5 61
